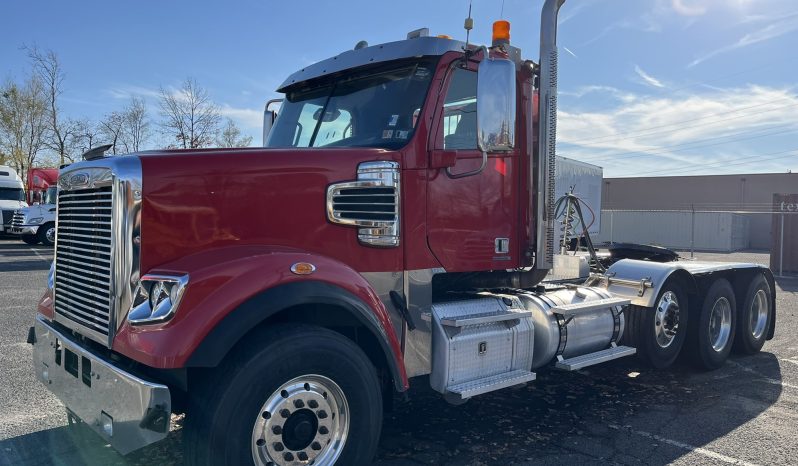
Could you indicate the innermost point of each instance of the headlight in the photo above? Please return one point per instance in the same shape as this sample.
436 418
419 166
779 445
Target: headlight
51 276
35 221
156 298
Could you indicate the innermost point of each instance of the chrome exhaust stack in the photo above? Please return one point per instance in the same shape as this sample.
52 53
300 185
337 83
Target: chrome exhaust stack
547 134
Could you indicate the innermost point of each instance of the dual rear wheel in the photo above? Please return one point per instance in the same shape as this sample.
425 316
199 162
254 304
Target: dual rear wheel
703 328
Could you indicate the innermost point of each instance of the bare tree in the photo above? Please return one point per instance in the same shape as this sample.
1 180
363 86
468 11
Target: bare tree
112 128
87 135
230 136
190 117
23 122
61 131
136 124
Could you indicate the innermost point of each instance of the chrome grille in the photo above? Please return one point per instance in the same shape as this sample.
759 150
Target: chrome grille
18 219
363 204
83 257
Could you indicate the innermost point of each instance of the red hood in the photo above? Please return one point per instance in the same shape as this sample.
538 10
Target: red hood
195 200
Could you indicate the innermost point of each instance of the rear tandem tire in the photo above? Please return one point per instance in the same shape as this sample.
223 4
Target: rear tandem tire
275 398
755 316
712 332
659 332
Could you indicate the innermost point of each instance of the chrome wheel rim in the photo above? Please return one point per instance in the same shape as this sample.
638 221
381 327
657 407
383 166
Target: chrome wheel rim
305 421
666 319
759 314
50 234
720 324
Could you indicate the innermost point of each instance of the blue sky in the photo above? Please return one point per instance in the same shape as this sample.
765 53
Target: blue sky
647 87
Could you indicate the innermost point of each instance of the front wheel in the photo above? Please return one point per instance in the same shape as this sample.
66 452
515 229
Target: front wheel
46 234
308 396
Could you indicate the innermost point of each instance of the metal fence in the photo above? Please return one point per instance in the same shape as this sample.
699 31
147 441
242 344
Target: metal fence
768 238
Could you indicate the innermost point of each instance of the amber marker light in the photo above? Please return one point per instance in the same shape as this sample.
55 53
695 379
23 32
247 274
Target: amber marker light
444 36
303 268
501 32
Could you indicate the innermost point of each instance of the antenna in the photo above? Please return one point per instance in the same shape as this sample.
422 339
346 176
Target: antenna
501 15
469 24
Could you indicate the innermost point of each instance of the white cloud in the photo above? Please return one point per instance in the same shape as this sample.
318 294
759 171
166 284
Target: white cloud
682 132
613 92
245 118
771 31
689 7
128 91
647 78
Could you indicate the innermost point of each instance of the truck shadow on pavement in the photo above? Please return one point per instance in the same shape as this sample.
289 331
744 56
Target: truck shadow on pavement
610 413
618 413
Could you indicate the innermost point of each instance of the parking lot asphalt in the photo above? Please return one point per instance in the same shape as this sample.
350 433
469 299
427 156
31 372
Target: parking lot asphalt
621 413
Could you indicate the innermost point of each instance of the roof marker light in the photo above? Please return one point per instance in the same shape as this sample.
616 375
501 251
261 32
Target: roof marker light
501 32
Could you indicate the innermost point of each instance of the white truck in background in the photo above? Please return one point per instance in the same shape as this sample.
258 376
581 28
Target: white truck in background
12 196
36 224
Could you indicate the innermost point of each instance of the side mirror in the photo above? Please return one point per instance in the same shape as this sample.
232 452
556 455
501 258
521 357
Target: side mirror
496 105
268 118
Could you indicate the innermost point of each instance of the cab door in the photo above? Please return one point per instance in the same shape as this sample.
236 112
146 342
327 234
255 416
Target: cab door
471 220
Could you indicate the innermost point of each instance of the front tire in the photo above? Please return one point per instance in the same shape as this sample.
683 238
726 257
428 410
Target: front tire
712 335
308 394
46 234
659 332
755 317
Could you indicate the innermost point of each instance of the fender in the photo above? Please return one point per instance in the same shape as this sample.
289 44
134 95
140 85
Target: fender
233 289
657 273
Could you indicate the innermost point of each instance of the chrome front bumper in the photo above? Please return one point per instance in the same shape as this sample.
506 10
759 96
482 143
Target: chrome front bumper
127 411
23 230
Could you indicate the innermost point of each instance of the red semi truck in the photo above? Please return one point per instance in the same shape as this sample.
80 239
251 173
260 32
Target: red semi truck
398 223
38 181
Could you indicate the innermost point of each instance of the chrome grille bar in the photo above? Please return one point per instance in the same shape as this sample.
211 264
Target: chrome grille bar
18 219
83 249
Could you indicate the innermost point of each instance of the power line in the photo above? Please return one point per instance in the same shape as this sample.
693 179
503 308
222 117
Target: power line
669 149
681 124
745 160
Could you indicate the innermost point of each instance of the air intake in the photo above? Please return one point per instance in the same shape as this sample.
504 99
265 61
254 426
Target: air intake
371 203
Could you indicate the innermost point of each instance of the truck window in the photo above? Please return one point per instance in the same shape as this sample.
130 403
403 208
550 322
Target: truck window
460 111
12 194
51 196
374 107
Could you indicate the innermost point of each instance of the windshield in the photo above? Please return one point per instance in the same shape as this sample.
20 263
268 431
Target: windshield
51 197
12 194
377 107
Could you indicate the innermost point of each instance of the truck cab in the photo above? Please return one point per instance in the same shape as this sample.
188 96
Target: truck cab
12 196
36 223
403 225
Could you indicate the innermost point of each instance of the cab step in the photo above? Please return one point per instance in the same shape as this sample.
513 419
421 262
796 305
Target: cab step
590 359
491 383
576 308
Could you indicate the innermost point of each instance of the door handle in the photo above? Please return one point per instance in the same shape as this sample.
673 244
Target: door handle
454 176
